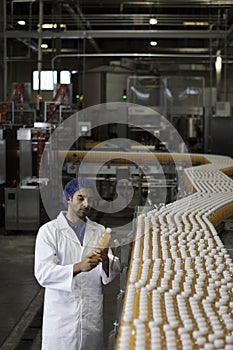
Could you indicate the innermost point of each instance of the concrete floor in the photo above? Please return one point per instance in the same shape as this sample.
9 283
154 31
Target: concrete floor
18 288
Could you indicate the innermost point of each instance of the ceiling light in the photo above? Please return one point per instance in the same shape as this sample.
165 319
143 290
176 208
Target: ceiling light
153 43
191 23
153 21
21 23
44 46
52 26
23 0
49 25
218 62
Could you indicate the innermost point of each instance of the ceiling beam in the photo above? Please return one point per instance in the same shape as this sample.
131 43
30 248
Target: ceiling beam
177 3
127 34
157 3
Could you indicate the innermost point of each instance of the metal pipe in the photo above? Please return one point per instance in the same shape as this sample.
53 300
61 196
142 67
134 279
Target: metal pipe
225 64
168 3
4 53
111 34
134 55
83 19
208 112
24 41
88 26
39 56
20 58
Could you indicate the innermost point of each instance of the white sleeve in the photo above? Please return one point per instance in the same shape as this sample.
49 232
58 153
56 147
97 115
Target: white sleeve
114 268
47 270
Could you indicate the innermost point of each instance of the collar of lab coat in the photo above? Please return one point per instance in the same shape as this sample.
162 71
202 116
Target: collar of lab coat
92 231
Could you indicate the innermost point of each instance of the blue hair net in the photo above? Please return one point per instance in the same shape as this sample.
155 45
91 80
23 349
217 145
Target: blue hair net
73 186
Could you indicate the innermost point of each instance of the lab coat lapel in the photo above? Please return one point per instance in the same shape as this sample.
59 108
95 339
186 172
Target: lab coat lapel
91 235
66 229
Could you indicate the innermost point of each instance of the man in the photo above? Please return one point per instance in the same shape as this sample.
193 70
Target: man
72 268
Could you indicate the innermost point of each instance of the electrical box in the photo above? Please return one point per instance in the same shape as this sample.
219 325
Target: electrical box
223 109
84 128
24 134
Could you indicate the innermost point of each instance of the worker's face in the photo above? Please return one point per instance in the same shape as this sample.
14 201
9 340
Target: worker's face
81 202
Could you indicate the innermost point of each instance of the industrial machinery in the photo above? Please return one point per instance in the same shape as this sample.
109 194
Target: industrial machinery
179 99
22 208
16 110
60 104
22 142
150 181
222 125
151 102
22 201
184 101
18 94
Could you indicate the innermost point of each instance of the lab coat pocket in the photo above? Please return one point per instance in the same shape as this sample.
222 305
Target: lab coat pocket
59 315
94 311
92 323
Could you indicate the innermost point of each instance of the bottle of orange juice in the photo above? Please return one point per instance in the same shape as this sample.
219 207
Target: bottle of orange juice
104 241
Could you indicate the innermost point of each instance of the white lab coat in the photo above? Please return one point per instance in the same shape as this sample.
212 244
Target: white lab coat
73 306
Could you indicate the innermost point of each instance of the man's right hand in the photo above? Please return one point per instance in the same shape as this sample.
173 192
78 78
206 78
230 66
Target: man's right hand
87 264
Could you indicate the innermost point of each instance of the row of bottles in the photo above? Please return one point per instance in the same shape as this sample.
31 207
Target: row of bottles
180 288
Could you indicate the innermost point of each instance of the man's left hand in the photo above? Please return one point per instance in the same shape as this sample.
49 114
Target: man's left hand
102 255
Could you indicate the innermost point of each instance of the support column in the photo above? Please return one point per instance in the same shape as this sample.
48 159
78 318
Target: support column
39 55
3 51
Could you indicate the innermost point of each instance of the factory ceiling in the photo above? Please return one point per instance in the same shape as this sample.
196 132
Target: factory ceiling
155 33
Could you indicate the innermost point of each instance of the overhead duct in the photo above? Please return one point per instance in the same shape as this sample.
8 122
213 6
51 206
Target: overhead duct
84 26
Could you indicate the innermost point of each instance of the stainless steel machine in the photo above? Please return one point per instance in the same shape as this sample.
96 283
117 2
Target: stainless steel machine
22 202
22 208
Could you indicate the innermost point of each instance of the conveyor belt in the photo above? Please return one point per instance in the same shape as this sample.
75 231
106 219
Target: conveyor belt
179 293
149 157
